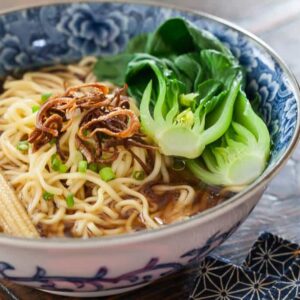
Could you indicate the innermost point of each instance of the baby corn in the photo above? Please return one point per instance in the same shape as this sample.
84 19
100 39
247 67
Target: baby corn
13 217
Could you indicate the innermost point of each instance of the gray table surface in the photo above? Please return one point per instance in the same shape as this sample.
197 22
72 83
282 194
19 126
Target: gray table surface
277 22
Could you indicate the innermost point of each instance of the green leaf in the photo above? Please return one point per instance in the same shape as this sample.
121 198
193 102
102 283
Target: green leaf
219 66
189 86
145 68
177 36
191 72
112 68
137 44
219 121
208 89
211 103
139 73
166 122
189 100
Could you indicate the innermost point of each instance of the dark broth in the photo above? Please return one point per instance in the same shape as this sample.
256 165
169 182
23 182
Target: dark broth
206 197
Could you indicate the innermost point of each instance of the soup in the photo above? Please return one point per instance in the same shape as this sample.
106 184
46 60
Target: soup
87 154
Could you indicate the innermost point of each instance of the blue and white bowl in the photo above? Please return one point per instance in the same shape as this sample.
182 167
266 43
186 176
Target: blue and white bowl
61 33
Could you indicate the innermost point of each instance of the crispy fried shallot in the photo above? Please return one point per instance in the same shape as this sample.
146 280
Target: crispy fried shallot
107 122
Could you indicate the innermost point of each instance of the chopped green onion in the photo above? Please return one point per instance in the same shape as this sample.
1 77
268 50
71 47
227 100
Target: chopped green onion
23 146
70 200
93 167
85 132
53 141
47 196
138 175
63 168
107 174
57 165
82 166
45 97
55 162
35 108
178 164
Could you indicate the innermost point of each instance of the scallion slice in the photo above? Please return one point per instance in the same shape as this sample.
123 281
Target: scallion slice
107 174
35 108
82 166
45 97
70 201
23 146
55 162
63 168
47 196
138 175
93 167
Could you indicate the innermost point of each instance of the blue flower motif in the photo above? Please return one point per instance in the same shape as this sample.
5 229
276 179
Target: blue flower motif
2 27
144 18
94 30
266 88
11 54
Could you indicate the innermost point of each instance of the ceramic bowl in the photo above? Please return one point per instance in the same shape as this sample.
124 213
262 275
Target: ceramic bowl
39 36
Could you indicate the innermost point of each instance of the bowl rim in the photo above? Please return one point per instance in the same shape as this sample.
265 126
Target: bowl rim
145 235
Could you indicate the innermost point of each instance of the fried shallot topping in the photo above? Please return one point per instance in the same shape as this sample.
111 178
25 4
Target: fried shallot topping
107 122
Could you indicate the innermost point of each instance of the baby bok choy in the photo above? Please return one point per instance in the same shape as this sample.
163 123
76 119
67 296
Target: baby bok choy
189 88
239 156
181 123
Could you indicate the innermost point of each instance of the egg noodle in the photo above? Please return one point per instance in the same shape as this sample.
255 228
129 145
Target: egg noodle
114 207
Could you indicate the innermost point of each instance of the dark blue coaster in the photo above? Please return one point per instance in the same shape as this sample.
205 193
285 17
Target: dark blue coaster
288 286
219 279
271 255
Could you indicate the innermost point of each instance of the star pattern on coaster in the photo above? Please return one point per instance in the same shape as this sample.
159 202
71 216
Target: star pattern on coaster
271 271
288 286
271 255
220 280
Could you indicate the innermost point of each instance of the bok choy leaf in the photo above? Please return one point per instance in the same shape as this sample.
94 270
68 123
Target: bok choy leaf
180 131
239 156
189 88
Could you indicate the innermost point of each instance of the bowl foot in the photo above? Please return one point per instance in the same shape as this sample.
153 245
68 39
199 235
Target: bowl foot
95 294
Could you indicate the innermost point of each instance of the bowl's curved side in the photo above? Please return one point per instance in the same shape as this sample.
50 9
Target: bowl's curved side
63 33
114 270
